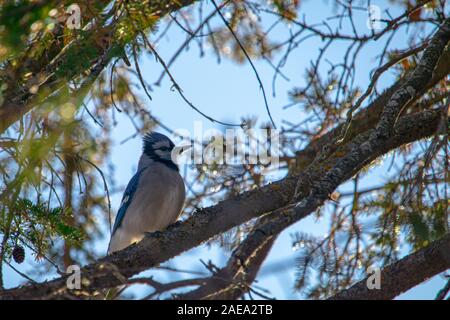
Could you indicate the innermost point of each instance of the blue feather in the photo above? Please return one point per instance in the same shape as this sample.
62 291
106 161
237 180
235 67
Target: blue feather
126 199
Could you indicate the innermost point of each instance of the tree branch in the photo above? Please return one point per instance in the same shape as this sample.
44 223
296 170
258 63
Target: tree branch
403 274
367 118
234 280
159 247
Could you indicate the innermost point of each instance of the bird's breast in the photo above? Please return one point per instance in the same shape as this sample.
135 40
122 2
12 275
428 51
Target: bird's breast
157 202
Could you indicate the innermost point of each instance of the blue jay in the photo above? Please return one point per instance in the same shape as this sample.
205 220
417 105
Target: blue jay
154 196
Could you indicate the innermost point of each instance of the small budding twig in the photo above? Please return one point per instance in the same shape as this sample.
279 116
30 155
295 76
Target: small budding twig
249 60
371 86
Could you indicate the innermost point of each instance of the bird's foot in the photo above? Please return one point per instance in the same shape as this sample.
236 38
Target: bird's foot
156 234
174 225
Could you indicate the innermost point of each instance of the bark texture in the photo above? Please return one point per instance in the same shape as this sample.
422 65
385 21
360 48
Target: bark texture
403 274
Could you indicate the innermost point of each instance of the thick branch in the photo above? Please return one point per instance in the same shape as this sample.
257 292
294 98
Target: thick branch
367 118
403 274
275 222
363 148
235 279
159 247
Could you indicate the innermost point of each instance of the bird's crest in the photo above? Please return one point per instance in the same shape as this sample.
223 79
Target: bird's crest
159 148
155 140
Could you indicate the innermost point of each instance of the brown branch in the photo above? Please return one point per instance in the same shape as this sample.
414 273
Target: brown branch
363 149
403 274
160 288
373 83
368 117
275 222
416 80
157 248
234 280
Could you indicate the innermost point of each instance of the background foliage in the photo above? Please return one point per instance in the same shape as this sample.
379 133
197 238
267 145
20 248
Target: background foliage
77 84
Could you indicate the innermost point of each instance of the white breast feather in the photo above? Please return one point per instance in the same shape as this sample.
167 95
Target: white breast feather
156 204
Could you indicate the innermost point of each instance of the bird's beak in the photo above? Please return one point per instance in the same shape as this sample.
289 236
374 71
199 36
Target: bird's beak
185 148
178 150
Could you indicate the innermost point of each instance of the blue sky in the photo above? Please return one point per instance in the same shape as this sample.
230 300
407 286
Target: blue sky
228 92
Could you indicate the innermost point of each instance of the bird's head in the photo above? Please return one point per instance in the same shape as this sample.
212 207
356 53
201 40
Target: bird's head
159 147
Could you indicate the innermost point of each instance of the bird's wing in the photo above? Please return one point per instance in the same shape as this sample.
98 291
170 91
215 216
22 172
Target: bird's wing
126 199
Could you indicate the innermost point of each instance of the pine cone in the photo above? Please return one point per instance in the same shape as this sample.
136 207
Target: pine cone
18 254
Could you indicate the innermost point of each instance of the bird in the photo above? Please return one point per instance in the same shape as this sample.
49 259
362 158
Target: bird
155 195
